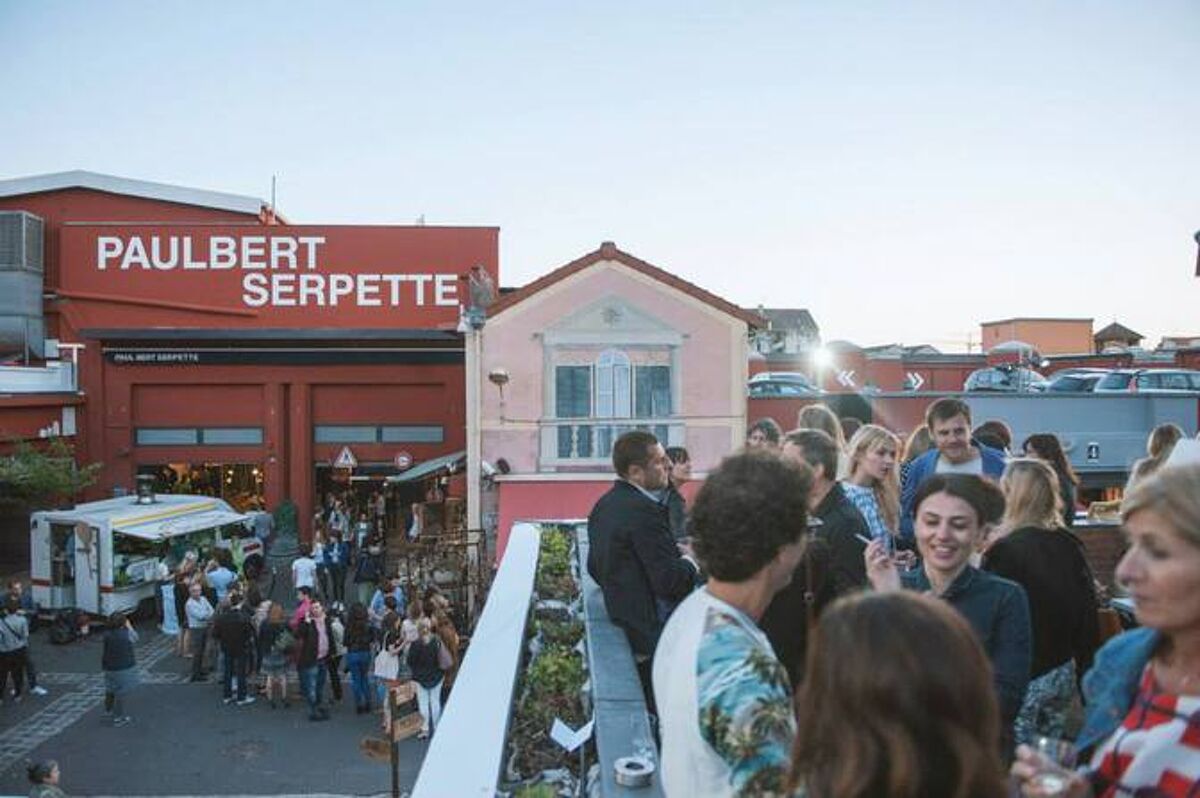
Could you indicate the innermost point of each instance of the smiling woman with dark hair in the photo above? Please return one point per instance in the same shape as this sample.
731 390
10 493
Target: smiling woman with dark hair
951 511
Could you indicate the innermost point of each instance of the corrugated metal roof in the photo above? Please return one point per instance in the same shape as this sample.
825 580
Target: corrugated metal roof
79 178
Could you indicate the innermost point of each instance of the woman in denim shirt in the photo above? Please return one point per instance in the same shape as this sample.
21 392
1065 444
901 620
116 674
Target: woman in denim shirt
1143 692
950 509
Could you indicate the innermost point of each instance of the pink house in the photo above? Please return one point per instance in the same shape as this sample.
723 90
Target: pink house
601 345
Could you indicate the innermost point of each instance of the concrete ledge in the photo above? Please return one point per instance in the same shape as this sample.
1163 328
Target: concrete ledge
618 705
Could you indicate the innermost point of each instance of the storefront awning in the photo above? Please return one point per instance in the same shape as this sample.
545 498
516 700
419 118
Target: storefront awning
434 467
182 525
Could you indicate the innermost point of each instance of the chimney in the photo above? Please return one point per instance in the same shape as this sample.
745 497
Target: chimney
145 489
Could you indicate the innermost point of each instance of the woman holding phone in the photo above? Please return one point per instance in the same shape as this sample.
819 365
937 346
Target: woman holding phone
951 510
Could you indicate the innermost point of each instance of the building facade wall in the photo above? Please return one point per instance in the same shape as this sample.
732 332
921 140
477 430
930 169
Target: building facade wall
606 308
705 349
1048 336
285 402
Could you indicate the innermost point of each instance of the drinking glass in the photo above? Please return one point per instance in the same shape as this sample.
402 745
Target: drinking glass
1054 777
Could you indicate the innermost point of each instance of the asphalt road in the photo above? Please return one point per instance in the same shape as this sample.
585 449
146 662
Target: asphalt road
183 740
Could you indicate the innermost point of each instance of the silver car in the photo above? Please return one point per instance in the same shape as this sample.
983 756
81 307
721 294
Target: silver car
1149 381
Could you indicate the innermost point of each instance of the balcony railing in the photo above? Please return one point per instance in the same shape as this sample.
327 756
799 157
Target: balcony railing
589 441
54 377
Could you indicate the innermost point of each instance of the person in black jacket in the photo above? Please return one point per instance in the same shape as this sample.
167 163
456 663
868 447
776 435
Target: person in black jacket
1048 561
119 666
314 635
632 554
234 631
680 474
423 659
833 561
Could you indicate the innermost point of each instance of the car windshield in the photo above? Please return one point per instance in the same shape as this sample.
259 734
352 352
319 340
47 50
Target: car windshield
1114 381
1071 383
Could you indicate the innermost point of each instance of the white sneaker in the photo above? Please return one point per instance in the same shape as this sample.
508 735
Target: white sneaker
39 690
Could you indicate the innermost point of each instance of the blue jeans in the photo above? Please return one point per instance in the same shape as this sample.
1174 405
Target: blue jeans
236 666
312 684
359 663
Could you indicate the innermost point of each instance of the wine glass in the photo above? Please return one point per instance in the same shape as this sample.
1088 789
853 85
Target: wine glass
1054 776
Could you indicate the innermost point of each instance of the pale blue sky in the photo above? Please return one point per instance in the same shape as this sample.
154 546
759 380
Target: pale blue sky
903 170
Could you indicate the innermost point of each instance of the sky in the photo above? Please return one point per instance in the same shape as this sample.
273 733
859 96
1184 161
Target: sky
903 170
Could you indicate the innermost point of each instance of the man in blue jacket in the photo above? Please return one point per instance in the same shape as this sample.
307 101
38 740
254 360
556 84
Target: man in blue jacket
949 423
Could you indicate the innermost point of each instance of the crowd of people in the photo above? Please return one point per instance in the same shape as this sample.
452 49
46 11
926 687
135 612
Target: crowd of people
257 646
856 615
17 620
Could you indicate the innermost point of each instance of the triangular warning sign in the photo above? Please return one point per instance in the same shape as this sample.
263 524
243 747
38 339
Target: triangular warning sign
345 459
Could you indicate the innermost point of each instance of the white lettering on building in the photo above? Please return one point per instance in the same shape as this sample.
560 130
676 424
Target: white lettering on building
280 270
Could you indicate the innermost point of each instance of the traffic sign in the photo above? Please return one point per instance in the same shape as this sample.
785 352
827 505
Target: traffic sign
846 378
403 460
915 380
345 459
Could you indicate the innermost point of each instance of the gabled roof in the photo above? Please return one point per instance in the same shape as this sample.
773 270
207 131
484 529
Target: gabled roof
1117 332
788 319
608 251
112 184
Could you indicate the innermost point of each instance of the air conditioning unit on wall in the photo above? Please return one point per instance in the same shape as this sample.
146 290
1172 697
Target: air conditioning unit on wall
22 250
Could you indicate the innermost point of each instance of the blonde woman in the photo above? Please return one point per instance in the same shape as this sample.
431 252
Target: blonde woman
1029 499
1144 691
1037 552
1159 445
428 673
183 578
820 417
872 483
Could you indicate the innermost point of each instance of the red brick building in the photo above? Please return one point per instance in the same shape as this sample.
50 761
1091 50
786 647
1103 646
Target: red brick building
218 336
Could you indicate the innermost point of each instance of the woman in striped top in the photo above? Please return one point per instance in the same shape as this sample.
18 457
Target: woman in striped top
872 484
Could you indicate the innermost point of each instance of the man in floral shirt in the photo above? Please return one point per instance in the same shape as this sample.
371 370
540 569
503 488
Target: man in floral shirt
724 701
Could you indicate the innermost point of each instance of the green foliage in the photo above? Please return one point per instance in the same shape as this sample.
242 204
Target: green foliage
536 791
44 476
551 683
555 579
561 633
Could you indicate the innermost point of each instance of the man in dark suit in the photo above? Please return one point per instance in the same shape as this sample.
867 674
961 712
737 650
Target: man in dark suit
833 561
632 555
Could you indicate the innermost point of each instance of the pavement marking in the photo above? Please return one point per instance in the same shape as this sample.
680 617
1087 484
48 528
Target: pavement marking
17 742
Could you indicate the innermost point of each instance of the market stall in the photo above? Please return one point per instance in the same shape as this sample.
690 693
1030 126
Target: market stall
103 557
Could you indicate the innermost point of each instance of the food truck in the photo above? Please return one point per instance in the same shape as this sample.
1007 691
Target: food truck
103 557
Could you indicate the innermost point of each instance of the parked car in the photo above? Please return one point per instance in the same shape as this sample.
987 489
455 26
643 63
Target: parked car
1009 379
1149 381
1075 380
781 383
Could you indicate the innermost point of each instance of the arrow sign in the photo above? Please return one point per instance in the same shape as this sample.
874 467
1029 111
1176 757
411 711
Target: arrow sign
915 380
846 378
345 459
